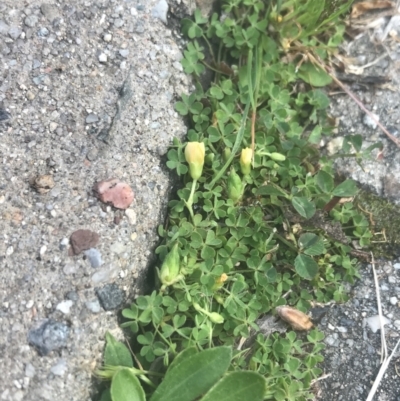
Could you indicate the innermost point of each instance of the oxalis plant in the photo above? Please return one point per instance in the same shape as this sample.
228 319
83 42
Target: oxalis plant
257 223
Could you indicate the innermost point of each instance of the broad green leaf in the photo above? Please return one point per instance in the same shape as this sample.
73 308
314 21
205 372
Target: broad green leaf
303 206
312 244
270 190
346 188
313 75
186 353
306 267
116 353
194 375
125 386
238 386
325 181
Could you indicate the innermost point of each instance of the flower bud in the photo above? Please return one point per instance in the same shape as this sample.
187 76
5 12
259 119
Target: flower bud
226 154
245 160
170 267
216 318
235 186
219 282
209 159
278 157
194 155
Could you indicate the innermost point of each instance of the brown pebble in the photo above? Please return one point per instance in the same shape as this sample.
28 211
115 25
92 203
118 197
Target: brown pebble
297 319
81 240
43 183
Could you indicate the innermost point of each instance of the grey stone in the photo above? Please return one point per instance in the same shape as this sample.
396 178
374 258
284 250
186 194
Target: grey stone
124 52
160 11
31 20
94 257
110 296
59 368
29 370
14 32
50 11
4 28
93 306
49 336
92 118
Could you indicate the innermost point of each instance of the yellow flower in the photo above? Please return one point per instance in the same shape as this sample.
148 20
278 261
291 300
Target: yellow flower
245 160
194 155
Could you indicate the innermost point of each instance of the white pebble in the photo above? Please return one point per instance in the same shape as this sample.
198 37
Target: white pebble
103 58
369 122
60 368
43 250
393 300
374 322
29 304
396 266
65 306
107 37
131 215
10 250
160 11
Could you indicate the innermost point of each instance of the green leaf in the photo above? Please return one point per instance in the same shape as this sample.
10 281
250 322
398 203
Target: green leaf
313 75
116 353
306 267
125 386
325 181
270 190
238 386
312 244
303 206
186 353
194 375
345 189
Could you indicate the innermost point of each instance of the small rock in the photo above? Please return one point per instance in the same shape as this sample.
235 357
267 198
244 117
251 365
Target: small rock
49 336
81 240
118 194
335 145
70 268
374 322
103 58
396 266
94 257
63 243
160 11
92 118
393 300
43 32
14 32
369 122
29 370
397 323
384 287
392 280
60 368
93 306
72 295
92 154
29 304
124 53
3 27
30 95
65 306
107 37
118 22
9 250
118 248
50 11
43 183
101 276
4 115
131 215
110 296
31 20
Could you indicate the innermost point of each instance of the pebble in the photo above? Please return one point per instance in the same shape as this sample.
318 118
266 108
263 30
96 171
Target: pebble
92 154
49 336
118 248
101 276
30 95
332 340
59 368
70 268
396 266
72 295
103 58
110 296
342 329
114 192
124 53
131 215
94 257
14 32
392 280
160 11
393 300
119 22
9 251
369 122
93 306
81 240
29 304
29 370
384 287
63 243
397 323
65 306
107 37
91 118
31 21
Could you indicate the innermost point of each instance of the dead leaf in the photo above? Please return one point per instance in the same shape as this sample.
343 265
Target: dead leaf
365 6
298 320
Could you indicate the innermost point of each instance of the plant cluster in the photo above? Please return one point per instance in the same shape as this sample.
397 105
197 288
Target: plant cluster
250 229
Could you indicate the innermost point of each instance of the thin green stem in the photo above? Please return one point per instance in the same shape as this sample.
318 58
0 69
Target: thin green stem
189 202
